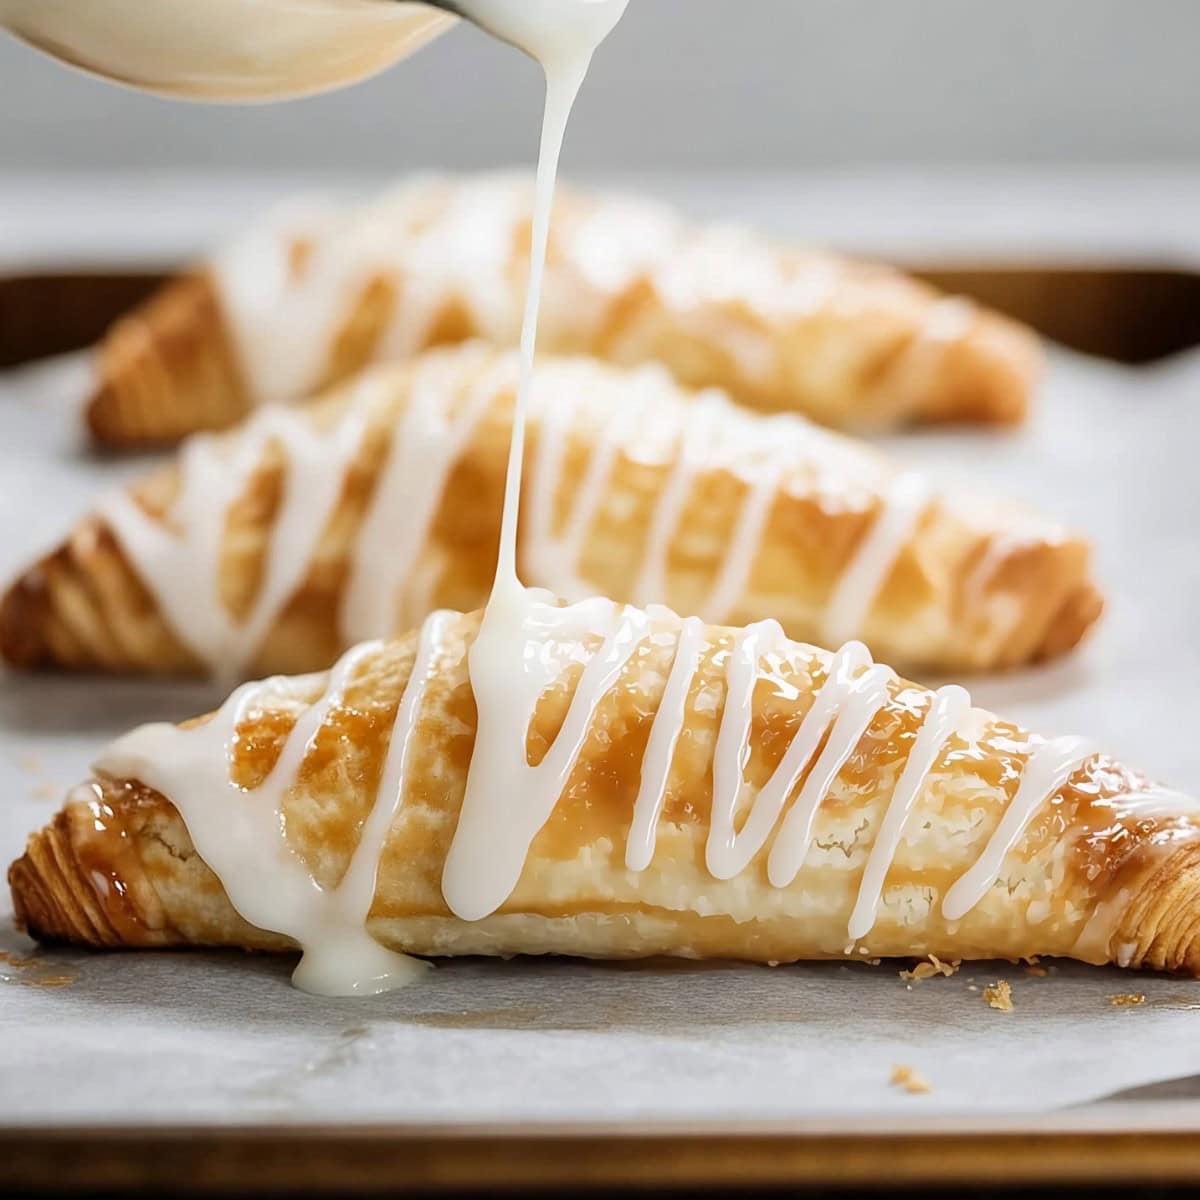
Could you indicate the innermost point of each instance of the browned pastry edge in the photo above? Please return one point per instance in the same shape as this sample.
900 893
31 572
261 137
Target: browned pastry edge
62 896
1159 929
43 882
1068 625
1061 603
167 369
52 900
986 377
25 614
57 615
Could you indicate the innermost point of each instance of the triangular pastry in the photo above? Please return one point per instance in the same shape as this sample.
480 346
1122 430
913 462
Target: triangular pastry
274 547
682 789
313 296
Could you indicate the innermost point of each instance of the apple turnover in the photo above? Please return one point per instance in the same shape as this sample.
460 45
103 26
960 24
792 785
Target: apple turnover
675 788
313 296
276 546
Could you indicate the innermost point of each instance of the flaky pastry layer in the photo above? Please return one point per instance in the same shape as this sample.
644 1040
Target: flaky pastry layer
1094 876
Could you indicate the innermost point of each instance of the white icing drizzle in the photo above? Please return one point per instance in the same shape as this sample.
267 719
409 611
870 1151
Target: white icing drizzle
443 243
410 486
854 702
358 885
272 316
651 583
1155 800
948 708
181 561
241 834
747 536
901 509
660 747
998 551
499 822
507 801
767 450
553 560
1048 767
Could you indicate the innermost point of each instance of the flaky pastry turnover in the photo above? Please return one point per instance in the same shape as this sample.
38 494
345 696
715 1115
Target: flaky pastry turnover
682 789
275 546
312 297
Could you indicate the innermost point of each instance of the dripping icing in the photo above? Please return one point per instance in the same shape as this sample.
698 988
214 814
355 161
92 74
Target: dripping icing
505 661
241 833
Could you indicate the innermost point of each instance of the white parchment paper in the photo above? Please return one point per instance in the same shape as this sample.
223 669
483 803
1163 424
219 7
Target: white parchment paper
207 1037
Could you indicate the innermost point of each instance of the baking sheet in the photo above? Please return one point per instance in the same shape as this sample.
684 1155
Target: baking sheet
220 1038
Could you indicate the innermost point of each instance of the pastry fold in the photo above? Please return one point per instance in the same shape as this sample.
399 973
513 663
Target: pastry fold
273 547
312 297
992 855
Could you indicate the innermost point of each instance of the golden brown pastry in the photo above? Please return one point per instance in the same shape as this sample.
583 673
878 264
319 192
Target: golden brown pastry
687 790
274 547
311 298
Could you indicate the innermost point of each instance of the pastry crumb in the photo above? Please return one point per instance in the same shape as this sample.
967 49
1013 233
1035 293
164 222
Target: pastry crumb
1127 999
31 971
1036 971
30 763
44 791
909 1079
931 967
49 981
999 996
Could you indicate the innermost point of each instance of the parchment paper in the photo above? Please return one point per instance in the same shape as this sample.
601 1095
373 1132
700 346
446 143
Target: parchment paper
207 1037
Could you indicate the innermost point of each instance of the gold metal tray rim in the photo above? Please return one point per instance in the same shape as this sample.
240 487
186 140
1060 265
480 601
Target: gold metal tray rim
1154 1144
